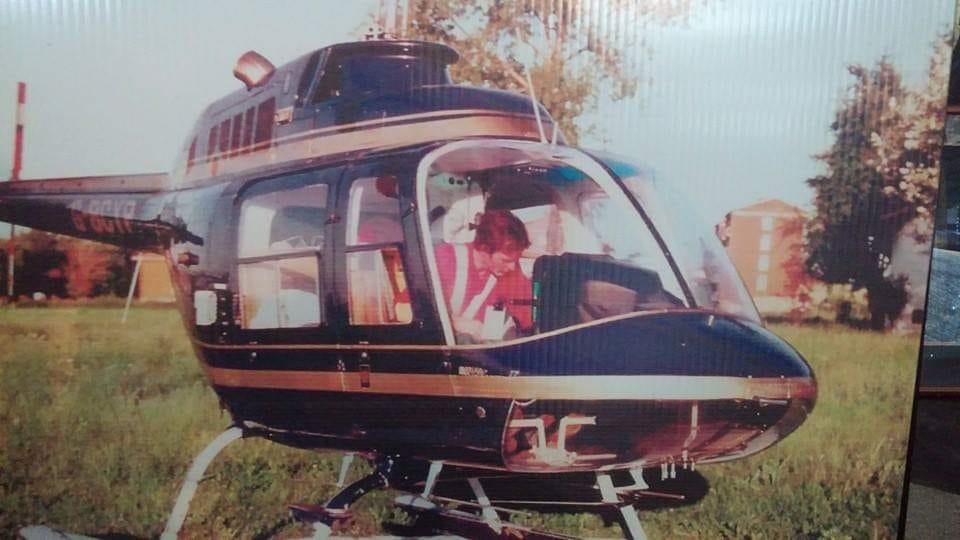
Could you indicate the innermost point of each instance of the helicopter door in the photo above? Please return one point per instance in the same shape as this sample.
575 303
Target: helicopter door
380 289
375 287
283 249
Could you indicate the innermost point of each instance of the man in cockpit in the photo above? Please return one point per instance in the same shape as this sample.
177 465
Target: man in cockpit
487 294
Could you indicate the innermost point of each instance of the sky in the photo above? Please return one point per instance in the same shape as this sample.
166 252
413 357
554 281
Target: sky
733 103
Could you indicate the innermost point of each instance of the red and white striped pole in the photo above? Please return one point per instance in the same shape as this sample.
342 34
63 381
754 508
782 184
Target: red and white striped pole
15 175
18 136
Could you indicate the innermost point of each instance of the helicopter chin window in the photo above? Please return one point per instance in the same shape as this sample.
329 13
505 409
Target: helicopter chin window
528 239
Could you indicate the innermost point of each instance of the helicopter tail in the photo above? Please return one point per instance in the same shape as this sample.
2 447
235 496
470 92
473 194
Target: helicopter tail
123 210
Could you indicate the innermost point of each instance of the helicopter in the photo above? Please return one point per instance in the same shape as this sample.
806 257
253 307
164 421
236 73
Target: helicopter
321 226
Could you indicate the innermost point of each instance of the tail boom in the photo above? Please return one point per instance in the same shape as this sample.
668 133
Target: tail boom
120 210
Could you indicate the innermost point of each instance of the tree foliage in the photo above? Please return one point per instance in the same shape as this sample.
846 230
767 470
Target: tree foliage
573 49
880 174
38 265
797 280
88 268
68 267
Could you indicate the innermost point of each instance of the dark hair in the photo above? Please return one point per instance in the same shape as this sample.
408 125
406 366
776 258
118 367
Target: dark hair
500 230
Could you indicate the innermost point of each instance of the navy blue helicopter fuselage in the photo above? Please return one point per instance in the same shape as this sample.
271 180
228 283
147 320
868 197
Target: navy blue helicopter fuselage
651 386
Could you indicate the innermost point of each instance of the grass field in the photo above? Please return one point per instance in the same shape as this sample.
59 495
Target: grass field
99 421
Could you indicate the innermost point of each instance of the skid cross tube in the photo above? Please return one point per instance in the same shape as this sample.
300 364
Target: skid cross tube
629 521
337 509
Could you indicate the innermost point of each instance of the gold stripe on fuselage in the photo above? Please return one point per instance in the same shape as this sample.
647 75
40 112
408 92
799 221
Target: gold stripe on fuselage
580 387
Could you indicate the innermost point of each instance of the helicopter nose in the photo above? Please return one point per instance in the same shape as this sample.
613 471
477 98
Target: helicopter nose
663 389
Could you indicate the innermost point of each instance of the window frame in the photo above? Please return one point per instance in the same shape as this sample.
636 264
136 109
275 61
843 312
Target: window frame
766 242
422 327
375 248
763 262
352 244
223 145
323 254
316 254
263 131
589 166
236 133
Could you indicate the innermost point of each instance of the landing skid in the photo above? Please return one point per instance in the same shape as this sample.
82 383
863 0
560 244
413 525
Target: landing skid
457 502
437 519
483 517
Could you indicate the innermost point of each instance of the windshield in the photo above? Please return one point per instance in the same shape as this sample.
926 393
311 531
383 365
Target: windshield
704 264
563 243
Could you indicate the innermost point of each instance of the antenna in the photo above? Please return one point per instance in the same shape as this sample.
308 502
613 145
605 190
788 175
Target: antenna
388 13
405 20
390 26
536 107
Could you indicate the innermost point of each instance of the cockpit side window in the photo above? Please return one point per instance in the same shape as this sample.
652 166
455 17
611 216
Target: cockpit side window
307 76
376 281
283 221
281 241
329 86
374 213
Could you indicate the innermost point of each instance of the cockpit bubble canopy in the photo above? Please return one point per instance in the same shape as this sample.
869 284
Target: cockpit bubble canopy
619 242
703 261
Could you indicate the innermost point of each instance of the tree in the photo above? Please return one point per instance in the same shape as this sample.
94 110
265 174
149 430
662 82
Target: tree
797 280
918 161
63 266
38 264
881 174
573 49
93 269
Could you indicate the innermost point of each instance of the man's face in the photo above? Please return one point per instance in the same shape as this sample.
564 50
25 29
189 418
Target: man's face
503 262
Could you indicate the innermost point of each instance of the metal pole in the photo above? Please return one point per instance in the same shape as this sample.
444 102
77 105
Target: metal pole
14 176
391 27
11 252
536 107
406 19
133 286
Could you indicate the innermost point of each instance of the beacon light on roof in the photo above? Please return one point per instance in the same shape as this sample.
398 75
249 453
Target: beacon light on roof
253 69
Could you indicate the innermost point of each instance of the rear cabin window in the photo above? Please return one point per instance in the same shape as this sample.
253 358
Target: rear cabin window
212 142
248 129
281 238
225 136
376 280
235 136
264 129
192 153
